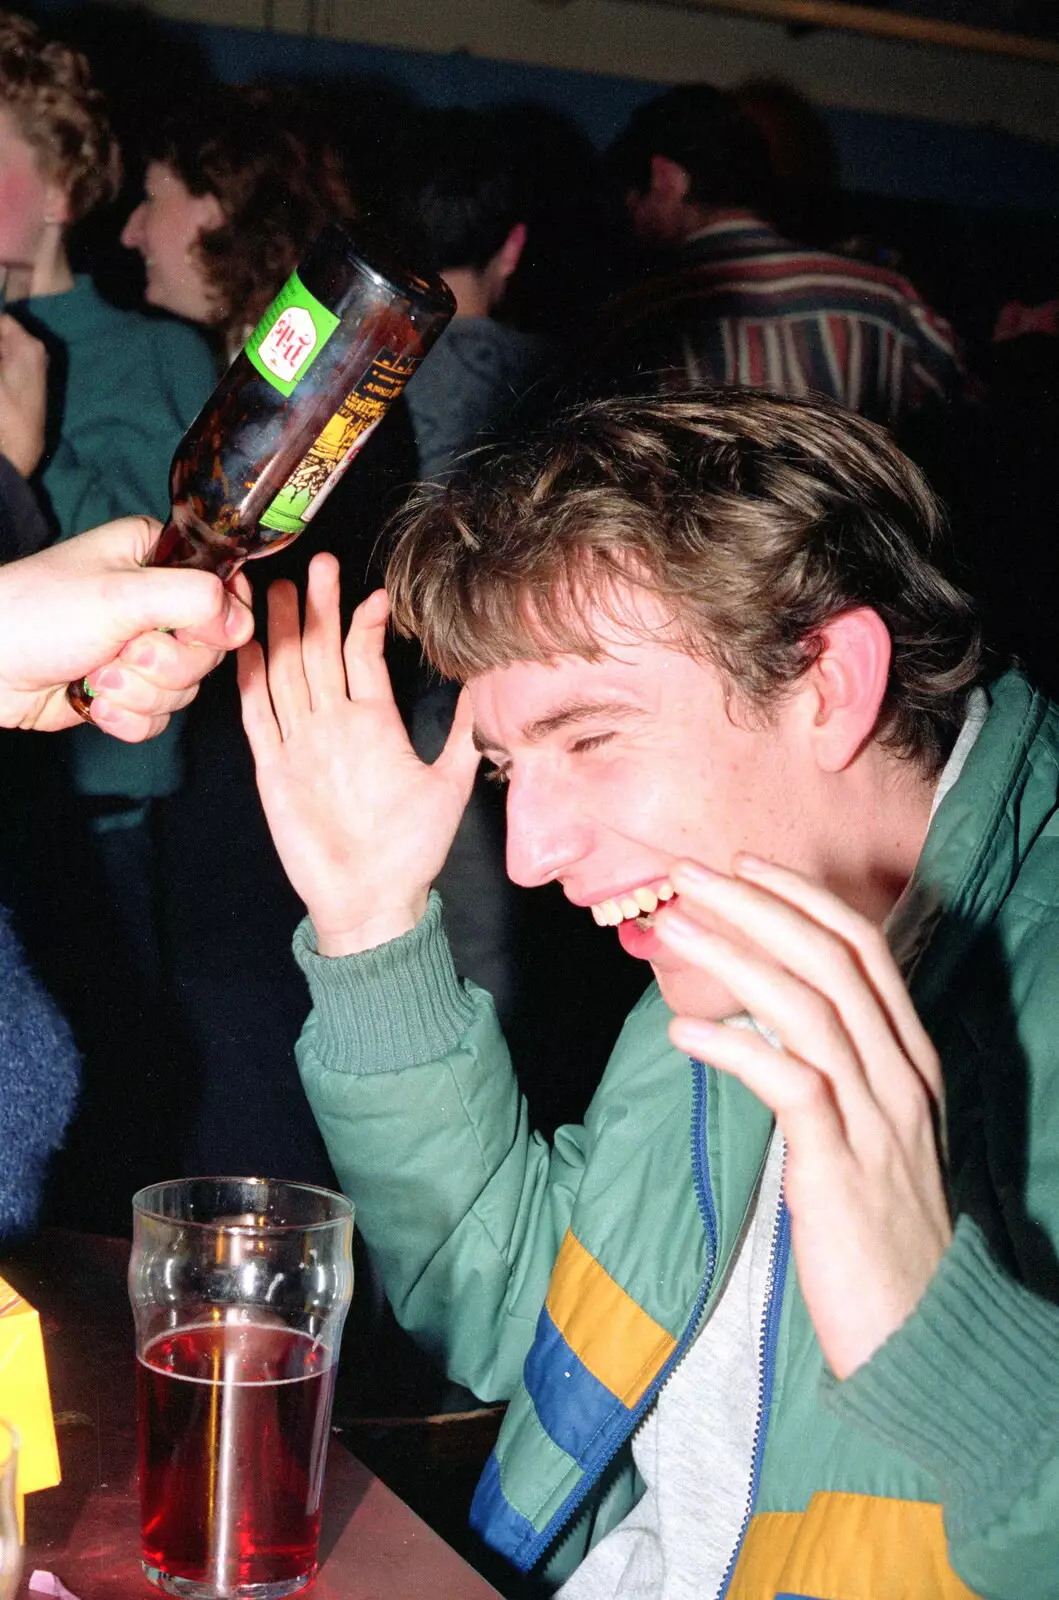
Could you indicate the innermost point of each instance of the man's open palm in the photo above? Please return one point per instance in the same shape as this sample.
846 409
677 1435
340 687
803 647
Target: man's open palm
362 826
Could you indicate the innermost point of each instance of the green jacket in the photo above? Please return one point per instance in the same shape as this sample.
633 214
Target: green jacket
569 1278
123 388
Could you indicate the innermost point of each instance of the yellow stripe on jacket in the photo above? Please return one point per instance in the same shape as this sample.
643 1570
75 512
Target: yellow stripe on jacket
848 1547
615 1338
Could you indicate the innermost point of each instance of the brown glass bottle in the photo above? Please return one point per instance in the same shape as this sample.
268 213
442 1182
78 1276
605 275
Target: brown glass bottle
335 348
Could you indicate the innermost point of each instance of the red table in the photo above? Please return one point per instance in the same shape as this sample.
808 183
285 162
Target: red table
86 1530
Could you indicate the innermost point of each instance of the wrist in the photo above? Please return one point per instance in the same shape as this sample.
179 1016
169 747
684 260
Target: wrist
389 923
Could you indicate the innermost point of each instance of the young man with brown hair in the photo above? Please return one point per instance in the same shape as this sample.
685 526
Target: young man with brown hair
779 1319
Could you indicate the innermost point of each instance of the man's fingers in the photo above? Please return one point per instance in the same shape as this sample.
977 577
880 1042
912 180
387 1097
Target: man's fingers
805 1021
827 967
259 719
459 759
138 599
872 951
121 691
159 660
799 1097
286 670
132 727
231 627
322 635
366 671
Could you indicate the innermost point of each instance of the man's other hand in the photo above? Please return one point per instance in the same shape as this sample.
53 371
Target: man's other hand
854 1084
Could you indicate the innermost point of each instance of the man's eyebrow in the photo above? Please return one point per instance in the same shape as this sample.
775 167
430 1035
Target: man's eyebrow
565 716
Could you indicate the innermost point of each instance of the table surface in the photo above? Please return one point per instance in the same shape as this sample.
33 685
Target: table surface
86 1530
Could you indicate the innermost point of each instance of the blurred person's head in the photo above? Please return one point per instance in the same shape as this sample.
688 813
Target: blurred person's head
797 138
235 191
685 158
460 206
694 627
58 159
801 155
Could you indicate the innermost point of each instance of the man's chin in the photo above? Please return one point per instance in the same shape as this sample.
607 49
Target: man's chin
691 993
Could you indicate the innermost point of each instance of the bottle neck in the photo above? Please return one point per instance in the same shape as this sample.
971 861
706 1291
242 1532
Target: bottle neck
179 546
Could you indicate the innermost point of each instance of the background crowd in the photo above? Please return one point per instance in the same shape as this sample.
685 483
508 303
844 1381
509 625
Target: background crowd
710 245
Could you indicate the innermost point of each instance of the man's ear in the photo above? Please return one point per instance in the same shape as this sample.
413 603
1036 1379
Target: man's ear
847 685
669 178
509 255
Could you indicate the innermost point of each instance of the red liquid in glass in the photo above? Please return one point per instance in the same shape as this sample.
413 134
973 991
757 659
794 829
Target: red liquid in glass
233 1421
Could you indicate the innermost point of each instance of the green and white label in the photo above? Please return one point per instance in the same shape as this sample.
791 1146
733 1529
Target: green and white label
290 336
332 451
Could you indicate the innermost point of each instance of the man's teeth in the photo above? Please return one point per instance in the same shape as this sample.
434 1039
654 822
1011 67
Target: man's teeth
638 903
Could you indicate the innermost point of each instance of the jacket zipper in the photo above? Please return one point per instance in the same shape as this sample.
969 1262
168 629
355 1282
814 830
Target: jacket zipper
768 1339
700 1167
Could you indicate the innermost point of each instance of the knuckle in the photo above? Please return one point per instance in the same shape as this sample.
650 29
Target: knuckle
823 1020
865 946
810 1092
844 965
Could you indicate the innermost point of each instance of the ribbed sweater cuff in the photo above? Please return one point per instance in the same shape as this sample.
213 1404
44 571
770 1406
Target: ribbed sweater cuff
395 1006
968 1387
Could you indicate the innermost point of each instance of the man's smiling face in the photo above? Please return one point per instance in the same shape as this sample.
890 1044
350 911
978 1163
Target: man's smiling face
619 767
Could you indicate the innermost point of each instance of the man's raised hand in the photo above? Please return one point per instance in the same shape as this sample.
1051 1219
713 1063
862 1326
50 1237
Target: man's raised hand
854 1086
361 825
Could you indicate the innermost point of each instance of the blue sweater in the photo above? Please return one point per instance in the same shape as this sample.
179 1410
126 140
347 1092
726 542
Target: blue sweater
39 1073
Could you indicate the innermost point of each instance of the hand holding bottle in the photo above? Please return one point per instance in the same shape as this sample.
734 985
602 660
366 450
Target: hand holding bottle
361 825
89 605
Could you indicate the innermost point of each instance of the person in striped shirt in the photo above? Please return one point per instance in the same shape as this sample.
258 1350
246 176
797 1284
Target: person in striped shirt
733 302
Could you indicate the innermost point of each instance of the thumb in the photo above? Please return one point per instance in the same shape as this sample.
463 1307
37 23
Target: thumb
194 605
132 598
459 759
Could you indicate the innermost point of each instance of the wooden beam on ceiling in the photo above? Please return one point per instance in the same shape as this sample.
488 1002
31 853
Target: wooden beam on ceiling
855 18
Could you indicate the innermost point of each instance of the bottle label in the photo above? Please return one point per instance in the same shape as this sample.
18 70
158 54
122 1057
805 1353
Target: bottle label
290 336
316 475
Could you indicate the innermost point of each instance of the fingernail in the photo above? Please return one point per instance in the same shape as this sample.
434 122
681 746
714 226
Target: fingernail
142 655
235 621
745 862
109 678
695 874
103 712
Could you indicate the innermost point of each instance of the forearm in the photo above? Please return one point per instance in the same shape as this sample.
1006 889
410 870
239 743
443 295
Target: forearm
410 1081
968 1387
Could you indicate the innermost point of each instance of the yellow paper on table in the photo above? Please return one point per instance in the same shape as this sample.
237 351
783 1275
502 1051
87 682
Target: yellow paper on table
24 1398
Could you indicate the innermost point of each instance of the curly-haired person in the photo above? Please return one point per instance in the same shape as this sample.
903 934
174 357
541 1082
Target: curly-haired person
236 188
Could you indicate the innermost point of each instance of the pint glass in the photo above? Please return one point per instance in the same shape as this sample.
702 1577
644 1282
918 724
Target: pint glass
239 1289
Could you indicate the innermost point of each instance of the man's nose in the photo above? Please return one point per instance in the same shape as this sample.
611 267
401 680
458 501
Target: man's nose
546 833
132 233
